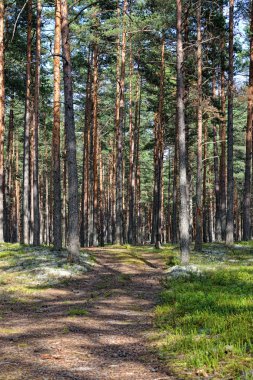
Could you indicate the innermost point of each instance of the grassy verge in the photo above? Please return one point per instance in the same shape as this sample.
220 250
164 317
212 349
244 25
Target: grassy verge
205 324
26 271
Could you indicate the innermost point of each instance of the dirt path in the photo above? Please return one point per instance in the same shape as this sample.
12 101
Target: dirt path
41 340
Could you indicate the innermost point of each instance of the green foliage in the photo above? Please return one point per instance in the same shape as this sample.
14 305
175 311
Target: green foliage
206 322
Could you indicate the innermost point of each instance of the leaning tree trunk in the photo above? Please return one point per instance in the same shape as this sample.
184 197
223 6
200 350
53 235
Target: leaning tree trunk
73 206
248 159
199 205
56 146
26 187
184 212
230 166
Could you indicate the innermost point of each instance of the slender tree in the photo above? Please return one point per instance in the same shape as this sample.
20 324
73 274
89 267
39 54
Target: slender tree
184 212
248 158
95 145
230 147
36 203
199 212
159 153
84 232
119 133
2 109
28 115
131 197
56 148
223 135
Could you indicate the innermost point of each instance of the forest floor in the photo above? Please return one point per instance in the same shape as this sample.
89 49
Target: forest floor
120 315
77 323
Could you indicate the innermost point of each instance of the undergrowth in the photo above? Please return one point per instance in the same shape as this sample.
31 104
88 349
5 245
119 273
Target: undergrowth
205 323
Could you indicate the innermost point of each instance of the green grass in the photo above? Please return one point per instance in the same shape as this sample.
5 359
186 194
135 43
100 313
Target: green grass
206 323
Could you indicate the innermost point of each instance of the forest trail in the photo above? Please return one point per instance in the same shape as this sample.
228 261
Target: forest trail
96 328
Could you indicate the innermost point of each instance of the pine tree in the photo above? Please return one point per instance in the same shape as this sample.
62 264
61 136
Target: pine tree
73 206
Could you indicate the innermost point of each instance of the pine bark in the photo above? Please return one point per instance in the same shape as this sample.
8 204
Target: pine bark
26 149
95 146
248 158
131 205
218 235
223 137
119 134
199 205
101 198
73 206
217 187
205 195
159 152
174 227
2 110
139 237
36 202
10 175
84 232
56 146
184 212
230 147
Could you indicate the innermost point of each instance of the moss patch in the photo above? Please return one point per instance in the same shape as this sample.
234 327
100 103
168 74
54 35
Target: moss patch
205 324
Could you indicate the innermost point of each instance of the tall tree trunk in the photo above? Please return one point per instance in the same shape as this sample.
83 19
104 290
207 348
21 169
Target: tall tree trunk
217 187
218 236
9 176
113 184
17 192
119 139
137 170
230 147
199 205
26 187
2 108
237 214
159 153
223 173
205 208
248 158
168 214
95 145
131 206
56 146
31 171
184 212
64 197
84 233
73 207
174 228
101 198
110 198
36 202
